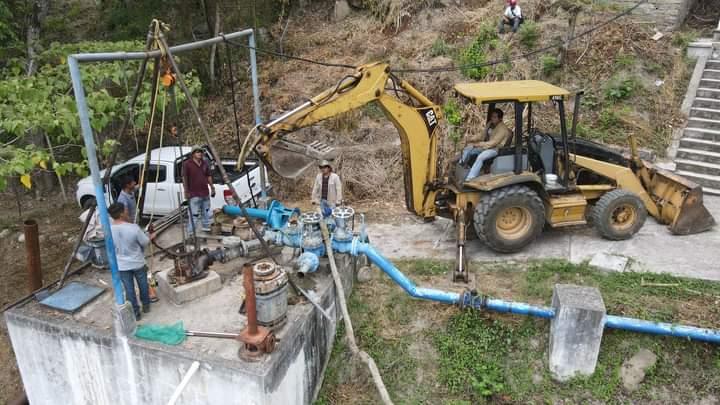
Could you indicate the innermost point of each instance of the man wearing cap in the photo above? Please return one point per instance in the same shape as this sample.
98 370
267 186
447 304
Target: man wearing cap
327 190
198 186
512 17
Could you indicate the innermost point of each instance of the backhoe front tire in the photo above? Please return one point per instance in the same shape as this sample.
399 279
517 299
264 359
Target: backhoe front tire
510 218
618 215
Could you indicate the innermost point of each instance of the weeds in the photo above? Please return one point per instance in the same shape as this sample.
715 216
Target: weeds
471 354
440 48
621 88
682 39
529 33
549 64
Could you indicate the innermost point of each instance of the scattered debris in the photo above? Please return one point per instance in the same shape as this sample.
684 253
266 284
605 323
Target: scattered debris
657 36
21 238
633 371
5 233
609 262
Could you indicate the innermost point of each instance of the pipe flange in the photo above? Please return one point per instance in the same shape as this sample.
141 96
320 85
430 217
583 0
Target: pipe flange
264 270
343 212
310 218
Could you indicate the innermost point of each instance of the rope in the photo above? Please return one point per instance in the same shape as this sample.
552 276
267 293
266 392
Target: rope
147 146
452 68
286 56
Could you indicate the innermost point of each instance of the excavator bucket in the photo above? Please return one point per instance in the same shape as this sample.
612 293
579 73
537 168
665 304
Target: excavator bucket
289 159
679 201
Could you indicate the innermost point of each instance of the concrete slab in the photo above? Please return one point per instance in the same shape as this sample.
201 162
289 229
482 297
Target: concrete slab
77 358
609 262
180 294
654 247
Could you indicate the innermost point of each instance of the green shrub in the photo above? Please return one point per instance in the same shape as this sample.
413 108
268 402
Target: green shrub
549 64
621 88
452 112
440 48
475 55
529 34
453 115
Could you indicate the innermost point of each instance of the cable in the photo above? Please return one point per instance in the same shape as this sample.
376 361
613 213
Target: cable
525 55
286 56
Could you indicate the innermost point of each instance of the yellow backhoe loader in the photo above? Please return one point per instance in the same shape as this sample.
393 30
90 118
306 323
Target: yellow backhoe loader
535 179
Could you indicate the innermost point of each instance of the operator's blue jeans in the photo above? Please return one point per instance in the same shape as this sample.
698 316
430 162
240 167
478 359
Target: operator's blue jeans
127 277
199 206
483 155
326 208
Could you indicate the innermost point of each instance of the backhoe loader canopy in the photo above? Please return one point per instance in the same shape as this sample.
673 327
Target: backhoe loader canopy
523 91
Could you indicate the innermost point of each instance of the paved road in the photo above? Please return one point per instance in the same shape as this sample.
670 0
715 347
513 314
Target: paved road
654 248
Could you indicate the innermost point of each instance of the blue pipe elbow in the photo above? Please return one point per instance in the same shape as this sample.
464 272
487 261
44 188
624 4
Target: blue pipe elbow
308 263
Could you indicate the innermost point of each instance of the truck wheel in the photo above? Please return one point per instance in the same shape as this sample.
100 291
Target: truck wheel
87 201
618 215
509 219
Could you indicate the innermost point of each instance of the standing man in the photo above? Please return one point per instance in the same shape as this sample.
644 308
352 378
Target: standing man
496 134
327 190
198 185
512 17
130 242
127 195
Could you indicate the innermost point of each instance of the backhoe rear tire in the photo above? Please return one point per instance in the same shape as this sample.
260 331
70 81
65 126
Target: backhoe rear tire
618 215
510 218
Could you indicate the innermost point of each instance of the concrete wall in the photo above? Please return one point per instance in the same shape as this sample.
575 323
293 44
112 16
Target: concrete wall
62 361
663 14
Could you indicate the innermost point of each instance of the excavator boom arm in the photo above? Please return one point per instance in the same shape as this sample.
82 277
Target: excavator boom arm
416 121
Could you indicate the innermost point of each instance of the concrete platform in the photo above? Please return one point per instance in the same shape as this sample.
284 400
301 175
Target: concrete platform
77 359
653 248
180 294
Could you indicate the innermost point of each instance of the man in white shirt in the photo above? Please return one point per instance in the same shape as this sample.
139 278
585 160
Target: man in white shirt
512 17
327 190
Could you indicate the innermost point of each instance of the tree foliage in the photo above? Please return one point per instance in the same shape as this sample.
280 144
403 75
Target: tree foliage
43 104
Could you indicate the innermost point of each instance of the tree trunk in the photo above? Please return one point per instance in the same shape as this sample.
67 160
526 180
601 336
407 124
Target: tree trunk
38 12
572 20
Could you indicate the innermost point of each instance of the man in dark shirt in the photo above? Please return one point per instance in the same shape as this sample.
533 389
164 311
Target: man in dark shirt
196 181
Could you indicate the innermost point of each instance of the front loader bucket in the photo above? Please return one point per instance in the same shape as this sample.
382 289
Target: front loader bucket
679 201
693 216
289 159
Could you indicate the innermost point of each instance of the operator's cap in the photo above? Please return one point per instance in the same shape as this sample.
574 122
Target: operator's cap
324 163
196 148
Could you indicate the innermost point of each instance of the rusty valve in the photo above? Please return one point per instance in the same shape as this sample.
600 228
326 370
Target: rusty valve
256 340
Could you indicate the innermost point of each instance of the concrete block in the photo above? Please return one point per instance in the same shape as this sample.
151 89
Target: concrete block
180 294
609 262
575 331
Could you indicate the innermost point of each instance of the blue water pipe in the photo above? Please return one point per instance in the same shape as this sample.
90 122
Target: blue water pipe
276 216
469 299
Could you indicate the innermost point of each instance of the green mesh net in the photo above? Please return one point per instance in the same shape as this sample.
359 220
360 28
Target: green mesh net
168 334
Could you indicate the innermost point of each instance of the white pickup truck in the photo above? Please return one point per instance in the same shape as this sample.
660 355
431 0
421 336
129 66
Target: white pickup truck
164 195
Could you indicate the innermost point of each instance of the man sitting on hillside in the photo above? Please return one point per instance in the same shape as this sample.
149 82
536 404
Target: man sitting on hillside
496 134
512 17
